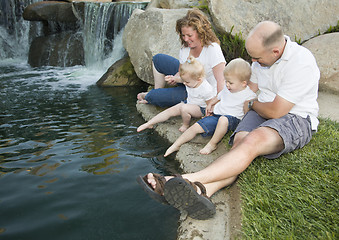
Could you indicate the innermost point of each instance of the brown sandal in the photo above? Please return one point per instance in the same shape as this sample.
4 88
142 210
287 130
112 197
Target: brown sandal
182 194
157 193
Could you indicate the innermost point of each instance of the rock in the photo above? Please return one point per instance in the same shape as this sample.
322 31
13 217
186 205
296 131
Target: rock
63 49
98 1
173 4
121 73
148 33
300 19
49 11
325 49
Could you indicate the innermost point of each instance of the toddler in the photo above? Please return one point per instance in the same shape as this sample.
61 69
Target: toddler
199 92
223 112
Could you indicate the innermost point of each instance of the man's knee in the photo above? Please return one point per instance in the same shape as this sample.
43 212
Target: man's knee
238 137
263 140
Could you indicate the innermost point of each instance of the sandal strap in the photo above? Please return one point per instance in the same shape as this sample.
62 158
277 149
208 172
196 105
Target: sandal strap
160 183
202 188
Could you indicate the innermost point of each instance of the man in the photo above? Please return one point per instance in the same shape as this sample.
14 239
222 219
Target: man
282 119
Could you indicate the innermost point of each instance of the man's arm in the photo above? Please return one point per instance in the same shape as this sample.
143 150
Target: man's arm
276 109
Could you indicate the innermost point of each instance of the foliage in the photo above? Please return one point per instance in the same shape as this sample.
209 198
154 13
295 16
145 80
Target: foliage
233 46
203 6
296 195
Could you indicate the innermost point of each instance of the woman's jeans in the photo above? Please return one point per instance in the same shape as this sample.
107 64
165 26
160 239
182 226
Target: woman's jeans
166 97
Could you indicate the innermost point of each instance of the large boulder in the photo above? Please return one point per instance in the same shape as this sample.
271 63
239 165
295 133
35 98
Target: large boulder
326 51
148 33
300 20
173 4
63 49
121 73
50 11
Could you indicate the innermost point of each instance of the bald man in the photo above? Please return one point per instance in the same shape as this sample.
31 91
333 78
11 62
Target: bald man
282 119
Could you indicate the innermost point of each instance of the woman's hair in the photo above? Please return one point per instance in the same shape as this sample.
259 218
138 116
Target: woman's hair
199 22
192 67
240 68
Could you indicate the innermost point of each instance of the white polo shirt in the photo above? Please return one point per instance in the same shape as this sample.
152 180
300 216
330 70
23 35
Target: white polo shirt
294 77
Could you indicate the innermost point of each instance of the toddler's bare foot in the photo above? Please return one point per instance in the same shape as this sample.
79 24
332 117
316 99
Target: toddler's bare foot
170 150
208 149
144 126
183 128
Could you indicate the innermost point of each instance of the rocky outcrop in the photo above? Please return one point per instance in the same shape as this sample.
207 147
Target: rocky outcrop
64 49
121 73
300 20
173 4
50 11
325 49
61 19
148 33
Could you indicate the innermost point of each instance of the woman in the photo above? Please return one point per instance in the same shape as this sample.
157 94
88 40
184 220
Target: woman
198 40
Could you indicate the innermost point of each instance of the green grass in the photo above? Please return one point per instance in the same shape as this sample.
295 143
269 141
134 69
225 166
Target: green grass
296 195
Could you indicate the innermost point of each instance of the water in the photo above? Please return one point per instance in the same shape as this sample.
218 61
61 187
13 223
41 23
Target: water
69 151
69 156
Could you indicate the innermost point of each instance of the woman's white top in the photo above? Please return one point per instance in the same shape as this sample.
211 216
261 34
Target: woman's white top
209 57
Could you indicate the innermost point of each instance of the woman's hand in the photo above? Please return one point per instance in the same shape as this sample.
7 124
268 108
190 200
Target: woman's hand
170 79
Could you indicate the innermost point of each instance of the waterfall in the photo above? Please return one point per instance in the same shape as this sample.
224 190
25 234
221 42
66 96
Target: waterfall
102 32
15 32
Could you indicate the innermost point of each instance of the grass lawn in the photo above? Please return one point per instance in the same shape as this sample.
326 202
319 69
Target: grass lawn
296 195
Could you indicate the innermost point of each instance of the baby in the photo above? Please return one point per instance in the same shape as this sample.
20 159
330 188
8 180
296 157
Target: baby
223 112
199 92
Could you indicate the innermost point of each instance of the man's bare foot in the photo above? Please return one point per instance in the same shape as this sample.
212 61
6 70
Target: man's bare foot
208 149
144 126
183 128
152 182
170 150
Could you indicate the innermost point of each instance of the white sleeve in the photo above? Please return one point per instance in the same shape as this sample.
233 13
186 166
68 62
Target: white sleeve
183 54
215 55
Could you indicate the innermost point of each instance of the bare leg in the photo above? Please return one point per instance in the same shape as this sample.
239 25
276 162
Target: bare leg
159 82
217 175
219 133
159 78
187 112
162 117
188 135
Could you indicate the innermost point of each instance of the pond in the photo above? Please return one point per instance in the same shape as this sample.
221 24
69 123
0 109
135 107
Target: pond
69 158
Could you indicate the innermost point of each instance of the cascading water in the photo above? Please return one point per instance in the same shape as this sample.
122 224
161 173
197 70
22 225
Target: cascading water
69 150
102 32
14 30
